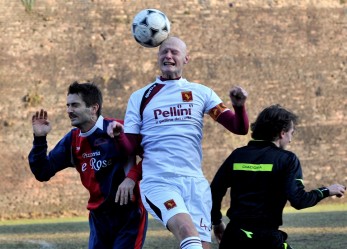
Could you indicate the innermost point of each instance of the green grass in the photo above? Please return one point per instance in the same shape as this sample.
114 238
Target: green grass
321 227
319 208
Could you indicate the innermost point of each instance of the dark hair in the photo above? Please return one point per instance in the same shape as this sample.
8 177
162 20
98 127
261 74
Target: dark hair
271 122
89 93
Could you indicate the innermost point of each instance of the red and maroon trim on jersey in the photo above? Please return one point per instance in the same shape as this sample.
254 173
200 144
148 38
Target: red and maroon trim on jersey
148 95
217 110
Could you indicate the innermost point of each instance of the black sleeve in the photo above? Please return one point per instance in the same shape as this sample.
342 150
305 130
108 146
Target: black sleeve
219 186
295 188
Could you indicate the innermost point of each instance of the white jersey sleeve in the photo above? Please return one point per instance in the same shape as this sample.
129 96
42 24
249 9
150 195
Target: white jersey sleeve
132 121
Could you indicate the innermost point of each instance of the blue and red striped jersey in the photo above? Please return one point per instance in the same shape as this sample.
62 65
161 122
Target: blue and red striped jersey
98 158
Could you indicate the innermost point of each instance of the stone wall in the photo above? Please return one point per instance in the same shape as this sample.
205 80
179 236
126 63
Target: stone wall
288 52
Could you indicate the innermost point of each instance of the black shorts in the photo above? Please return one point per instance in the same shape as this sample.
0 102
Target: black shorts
252 238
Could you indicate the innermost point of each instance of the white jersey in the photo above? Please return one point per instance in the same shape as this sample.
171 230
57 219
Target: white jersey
171 127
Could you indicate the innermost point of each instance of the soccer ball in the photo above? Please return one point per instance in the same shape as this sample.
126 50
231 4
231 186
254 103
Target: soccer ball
150 27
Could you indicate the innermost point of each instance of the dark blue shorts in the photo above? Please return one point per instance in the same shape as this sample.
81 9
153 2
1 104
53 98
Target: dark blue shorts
119 227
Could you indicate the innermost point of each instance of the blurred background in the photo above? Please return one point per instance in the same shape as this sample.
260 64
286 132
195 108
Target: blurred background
292 53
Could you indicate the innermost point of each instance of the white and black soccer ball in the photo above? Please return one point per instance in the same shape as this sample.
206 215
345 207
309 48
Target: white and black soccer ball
150 27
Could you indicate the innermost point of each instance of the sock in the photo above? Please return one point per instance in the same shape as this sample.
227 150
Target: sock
191 243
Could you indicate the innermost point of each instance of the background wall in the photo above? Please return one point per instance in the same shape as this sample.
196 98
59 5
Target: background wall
288 52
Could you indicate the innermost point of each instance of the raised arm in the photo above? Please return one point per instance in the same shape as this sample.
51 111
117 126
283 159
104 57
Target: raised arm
45 166
128 142
236 122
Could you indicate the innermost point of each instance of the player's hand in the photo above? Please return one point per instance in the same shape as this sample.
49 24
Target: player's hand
40 123
337 189
218 231
114 129
238 96
125 191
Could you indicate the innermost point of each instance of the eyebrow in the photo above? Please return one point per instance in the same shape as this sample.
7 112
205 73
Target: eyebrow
72 103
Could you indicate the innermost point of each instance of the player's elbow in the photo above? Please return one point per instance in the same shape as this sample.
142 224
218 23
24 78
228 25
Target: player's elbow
243 131
41 178
298 205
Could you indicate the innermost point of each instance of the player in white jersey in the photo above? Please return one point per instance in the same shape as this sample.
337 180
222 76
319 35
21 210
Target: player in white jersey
172 125
168 116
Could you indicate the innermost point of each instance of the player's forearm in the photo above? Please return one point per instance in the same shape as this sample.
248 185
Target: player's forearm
216 214
38 161
135 172
126 144
235 122
300 199
219 187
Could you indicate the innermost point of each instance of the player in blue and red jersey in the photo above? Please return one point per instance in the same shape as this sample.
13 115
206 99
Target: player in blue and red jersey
117 216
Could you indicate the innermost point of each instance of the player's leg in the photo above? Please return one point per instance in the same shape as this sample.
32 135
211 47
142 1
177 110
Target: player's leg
98 232
206 245
199 204
197 197
142 226
230 240
182 226
130 222
142 222
163 199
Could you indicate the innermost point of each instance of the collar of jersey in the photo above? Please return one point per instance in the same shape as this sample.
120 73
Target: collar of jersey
98 124
164 79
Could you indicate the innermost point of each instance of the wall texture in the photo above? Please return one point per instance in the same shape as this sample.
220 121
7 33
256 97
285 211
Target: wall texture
288 52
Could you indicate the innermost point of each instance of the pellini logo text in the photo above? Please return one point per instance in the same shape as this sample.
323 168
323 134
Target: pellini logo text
174 111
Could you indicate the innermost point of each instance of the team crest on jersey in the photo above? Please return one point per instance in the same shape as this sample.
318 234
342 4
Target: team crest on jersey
100 141
170 204
187 96
217 110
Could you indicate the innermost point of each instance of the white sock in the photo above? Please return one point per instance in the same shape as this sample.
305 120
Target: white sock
191 243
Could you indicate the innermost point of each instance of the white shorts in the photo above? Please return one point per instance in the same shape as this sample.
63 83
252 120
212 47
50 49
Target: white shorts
165 197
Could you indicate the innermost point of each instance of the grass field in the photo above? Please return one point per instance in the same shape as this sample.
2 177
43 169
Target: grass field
321 227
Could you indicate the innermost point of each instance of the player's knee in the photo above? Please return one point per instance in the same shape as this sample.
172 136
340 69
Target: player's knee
187 229
182 226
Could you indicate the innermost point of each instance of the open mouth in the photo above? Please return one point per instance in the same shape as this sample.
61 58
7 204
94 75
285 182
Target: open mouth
169 64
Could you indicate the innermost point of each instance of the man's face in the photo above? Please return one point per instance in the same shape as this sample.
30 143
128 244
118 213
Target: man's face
80 115
172 56
286 137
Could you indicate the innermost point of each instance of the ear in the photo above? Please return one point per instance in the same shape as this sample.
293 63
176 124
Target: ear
282 134
186 59
94 108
